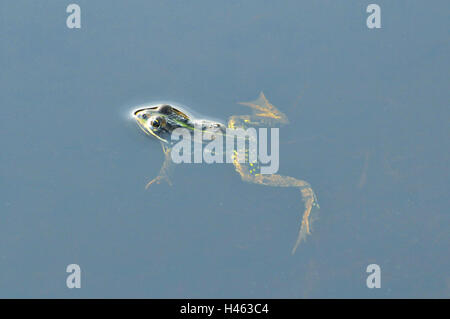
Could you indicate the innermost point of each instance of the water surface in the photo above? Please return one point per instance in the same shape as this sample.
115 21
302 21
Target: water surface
368 113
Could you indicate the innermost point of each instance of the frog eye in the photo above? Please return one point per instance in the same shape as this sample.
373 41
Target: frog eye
155 123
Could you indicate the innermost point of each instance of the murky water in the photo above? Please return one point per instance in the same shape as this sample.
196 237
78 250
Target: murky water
368 112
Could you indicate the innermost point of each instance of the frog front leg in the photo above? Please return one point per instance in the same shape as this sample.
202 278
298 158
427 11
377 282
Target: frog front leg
166 168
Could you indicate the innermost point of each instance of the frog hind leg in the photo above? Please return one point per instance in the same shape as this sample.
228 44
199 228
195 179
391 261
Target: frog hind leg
166 168
308 196
265 113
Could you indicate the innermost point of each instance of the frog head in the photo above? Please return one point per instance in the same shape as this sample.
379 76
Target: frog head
160 120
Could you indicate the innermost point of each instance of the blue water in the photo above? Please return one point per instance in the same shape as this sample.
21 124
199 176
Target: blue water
369 129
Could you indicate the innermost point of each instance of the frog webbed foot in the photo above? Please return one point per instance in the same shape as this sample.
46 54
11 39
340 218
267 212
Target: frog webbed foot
158 179
264 109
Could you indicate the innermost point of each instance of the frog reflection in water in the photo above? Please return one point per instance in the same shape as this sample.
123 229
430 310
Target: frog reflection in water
159 121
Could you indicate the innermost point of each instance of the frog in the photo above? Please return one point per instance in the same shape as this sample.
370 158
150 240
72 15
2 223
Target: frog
160 120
